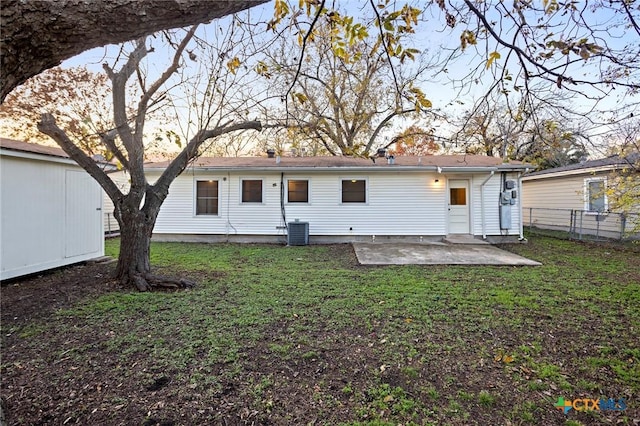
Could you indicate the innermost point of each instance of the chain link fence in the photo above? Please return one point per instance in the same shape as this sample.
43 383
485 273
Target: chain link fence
582 224
111 226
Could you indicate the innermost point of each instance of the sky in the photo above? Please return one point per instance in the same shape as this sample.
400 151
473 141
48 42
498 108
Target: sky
446 97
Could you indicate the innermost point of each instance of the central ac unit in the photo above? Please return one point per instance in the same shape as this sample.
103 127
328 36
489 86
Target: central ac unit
298 233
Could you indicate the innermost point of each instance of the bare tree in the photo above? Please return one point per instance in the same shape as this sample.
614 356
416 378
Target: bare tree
80 98
137 210
343 96
588 51
37 35
539 133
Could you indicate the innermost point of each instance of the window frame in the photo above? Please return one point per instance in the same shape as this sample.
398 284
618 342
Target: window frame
365 192
587 195
246 179
196 198
308 190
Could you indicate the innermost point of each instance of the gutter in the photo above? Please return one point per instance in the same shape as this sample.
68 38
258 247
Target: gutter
482 215
392 169
581 171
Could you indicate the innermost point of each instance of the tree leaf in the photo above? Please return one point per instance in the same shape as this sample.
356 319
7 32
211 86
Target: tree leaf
233 65
492 57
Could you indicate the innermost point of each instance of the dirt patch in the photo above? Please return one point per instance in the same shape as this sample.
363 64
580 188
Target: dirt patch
38 296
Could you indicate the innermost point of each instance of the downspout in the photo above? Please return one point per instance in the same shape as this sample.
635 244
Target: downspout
282 207
482 215
522 238
229 225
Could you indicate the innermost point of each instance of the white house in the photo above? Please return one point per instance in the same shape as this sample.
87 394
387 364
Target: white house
341 198
50 210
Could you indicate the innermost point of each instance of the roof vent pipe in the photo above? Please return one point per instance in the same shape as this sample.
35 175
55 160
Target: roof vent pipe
271 153
391 159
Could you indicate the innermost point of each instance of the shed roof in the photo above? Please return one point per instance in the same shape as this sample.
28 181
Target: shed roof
14 145
323 163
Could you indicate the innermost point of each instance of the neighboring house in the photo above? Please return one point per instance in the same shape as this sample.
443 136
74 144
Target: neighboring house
50 210
574 197
111 225
341 198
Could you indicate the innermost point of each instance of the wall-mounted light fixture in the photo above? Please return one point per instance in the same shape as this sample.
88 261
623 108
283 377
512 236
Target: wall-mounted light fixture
437 180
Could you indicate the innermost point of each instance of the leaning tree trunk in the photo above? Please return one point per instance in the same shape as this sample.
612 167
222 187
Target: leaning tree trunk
134 266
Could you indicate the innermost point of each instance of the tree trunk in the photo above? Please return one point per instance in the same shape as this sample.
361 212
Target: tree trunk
37 35
135 242
134 266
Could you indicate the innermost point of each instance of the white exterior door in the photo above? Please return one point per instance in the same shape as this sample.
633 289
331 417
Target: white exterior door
83 219
458 206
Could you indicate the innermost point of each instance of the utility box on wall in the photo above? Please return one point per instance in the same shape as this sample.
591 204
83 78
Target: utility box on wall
298 233
505 216
507 199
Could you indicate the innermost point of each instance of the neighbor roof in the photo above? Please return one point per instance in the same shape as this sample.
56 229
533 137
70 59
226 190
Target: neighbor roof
21 146
326 163
607 163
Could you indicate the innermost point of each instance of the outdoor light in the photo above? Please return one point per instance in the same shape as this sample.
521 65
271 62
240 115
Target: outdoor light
437 180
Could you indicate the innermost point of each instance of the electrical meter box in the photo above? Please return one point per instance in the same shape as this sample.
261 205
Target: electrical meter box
505 216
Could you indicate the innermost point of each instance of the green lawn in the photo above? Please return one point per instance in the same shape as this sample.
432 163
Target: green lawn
304 335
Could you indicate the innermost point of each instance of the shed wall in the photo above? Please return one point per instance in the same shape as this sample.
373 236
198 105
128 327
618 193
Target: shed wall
50 216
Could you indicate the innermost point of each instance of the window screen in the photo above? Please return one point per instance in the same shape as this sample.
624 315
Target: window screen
207 197
596 193
251 191
354 191
298 191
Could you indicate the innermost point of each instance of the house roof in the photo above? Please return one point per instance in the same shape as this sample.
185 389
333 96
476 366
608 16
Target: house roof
602 164
21 146
430 162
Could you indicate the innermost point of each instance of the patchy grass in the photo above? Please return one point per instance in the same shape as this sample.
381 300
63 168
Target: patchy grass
296 335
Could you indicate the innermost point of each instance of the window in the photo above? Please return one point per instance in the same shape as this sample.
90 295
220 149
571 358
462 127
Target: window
251 191
458 196
207 197
298 191
354 191
595 198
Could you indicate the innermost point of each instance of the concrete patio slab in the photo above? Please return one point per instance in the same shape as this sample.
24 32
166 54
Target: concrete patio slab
437 254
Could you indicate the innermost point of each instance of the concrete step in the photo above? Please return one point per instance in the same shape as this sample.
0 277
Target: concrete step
463 239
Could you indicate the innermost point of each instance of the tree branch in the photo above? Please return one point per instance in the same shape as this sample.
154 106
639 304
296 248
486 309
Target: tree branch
48 126
181 162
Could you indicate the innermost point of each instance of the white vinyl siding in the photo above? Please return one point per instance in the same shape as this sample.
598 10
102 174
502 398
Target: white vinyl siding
554 193
398 203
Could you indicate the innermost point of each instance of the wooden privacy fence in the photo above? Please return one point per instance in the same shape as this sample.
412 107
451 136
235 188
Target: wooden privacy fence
582 224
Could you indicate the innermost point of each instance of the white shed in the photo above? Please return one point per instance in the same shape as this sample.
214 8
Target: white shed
51 210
